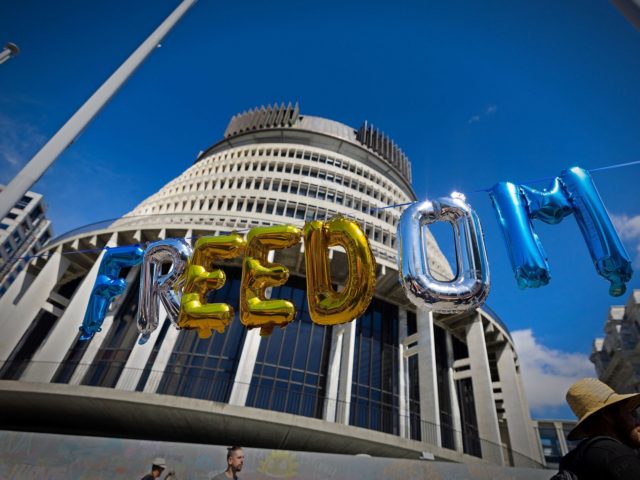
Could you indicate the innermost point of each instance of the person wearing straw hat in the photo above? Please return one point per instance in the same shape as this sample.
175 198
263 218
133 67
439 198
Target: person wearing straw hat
610 424
158 465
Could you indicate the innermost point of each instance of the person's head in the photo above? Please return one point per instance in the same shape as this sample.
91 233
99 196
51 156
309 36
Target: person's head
157 466
235 459
601 411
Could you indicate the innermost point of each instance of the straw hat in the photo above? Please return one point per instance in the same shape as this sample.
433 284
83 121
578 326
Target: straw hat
590 395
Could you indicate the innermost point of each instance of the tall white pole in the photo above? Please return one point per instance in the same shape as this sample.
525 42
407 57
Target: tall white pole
10 50
77 123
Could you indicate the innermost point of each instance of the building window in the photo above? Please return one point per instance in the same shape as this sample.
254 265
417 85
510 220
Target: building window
112 357
33 338
290 371
205 368
23 202
374 398
550 444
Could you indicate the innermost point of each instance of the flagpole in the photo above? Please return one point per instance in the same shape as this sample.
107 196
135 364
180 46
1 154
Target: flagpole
39 164
10 50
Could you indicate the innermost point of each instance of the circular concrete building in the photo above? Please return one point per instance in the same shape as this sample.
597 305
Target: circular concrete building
395 382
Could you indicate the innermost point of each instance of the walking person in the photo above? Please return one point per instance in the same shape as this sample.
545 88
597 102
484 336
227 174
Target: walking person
235 461
157 467
609 423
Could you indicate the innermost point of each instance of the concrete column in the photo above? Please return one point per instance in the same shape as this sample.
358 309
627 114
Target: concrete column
346 373
484 401
16 319
10 299
534 438
403 377
246 365
517 423
564 449
139 356
333 373
98 339
47 359
455 406
428 380
162 359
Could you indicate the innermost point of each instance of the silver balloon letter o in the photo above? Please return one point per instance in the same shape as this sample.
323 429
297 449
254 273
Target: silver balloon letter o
470 287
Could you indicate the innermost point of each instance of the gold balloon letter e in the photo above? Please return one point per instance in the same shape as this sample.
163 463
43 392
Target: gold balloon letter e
326 305
195 312
258 274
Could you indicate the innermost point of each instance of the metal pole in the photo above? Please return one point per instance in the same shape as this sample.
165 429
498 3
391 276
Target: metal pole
10 50
39 164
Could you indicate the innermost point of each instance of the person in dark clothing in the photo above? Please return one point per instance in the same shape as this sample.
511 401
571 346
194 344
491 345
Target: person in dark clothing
157 467
610 424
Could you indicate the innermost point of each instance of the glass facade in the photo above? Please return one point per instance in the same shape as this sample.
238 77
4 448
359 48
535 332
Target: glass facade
290 370
550 444
374 393
444 394
112 357
470 434
205 368
413 380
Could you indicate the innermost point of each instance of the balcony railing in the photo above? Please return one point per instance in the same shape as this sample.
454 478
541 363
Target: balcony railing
297 399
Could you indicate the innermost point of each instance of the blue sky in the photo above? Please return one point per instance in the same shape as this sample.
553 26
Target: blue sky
473 92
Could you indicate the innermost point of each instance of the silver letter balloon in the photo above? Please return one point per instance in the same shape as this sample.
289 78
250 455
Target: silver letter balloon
470 286
154 285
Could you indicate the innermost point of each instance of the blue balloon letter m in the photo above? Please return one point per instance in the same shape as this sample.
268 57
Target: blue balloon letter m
572 192
108 286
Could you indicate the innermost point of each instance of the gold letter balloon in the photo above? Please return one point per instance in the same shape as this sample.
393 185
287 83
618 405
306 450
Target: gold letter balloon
198 277
327 306
258 274
195 312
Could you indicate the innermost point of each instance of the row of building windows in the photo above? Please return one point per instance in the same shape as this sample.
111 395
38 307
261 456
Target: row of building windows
20 231
246 182
245 160
253 205
280 208
292 187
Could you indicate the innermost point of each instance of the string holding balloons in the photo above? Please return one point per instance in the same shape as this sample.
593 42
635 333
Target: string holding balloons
190 274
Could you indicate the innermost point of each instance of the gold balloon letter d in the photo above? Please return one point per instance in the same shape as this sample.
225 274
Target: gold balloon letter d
326 305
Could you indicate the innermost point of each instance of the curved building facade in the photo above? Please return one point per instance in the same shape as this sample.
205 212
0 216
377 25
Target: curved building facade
394 382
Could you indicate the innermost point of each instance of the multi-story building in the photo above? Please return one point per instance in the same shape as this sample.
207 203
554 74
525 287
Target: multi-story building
617 355
23 232
554 443
395 382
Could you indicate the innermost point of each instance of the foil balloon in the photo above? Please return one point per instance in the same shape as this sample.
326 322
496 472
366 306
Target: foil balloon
327 306
156 286
258 274
470 286
201 277
572 192
108 285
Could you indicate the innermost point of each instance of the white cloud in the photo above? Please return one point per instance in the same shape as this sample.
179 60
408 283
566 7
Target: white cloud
629 230
487 112
547 373
18 142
